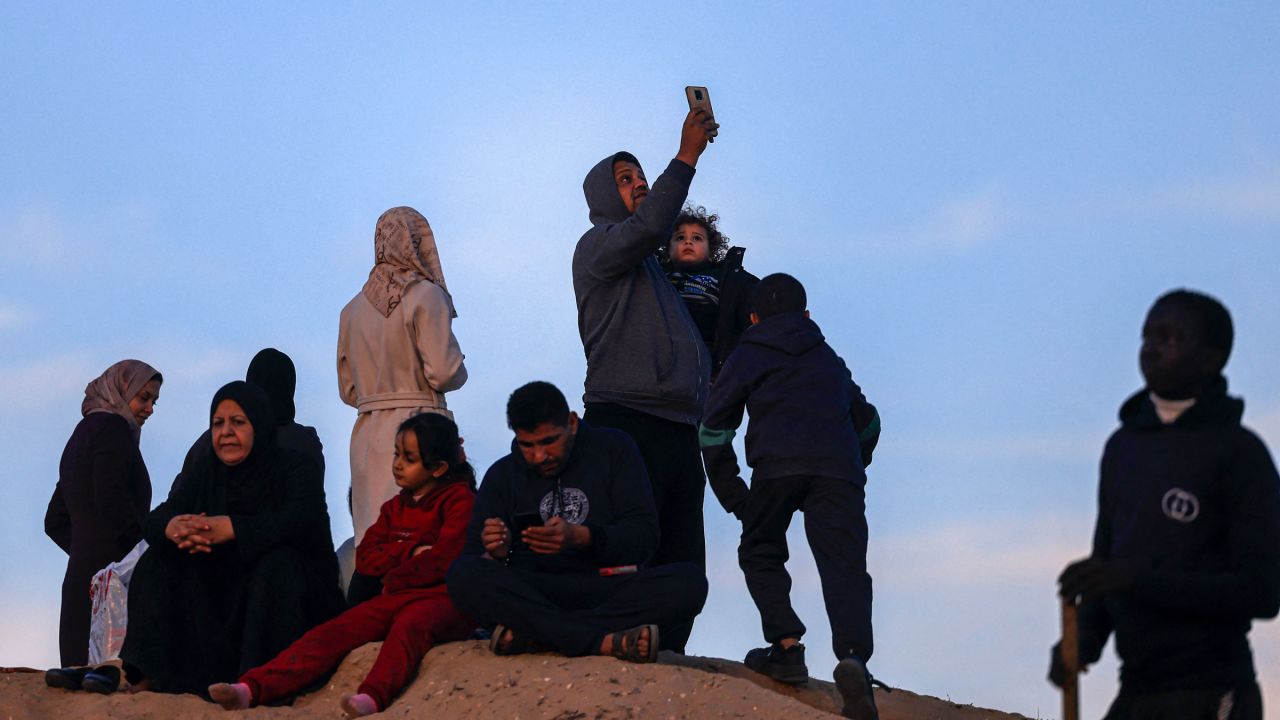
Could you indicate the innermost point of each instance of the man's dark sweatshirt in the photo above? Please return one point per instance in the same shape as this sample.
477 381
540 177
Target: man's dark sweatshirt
808 416
1195 507
643 350
603 487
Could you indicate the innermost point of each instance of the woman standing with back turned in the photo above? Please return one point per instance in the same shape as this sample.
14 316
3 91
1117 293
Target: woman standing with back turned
397 355
103 492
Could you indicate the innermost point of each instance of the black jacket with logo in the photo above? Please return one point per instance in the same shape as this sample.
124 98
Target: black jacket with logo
1196 505
604 487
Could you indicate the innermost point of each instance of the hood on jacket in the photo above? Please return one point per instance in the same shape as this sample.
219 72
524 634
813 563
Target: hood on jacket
1214 407
603 199
789 332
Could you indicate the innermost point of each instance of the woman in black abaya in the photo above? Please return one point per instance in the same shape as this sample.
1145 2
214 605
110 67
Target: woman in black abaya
240 562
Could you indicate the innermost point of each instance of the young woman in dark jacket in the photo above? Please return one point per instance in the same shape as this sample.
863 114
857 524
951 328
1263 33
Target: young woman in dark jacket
103 491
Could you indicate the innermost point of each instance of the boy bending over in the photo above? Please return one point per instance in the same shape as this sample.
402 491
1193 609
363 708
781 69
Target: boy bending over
809 439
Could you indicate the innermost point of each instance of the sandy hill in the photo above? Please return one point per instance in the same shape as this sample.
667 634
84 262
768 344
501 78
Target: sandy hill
463 680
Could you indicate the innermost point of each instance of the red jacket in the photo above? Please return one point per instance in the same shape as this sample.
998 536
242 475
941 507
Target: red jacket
439 520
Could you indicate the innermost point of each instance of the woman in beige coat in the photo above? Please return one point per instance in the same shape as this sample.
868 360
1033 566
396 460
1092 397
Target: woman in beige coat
397 355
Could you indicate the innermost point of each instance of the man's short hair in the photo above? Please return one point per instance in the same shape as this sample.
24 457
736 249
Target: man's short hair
1216 329
536 403
778 293
625 156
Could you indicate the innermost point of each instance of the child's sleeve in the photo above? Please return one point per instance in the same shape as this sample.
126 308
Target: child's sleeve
720 423
865 417
428 568
378 552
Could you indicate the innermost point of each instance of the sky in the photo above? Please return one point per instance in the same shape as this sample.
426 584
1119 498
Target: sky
982 198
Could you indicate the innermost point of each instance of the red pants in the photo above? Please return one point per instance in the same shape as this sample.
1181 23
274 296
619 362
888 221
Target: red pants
410 621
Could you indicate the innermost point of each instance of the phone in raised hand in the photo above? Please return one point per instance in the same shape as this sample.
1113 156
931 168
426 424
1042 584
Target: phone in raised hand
699 98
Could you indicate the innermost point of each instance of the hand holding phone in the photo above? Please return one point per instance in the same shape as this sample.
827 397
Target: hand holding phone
699 98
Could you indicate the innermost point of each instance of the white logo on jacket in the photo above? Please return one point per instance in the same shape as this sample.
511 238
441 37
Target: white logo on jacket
1180 505
572 505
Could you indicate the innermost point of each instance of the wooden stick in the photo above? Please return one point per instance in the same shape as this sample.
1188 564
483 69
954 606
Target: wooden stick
1070 649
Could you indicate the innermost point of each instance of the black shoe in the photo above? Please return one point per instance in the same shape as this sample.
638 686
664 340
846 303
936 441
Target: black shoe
854 683
66 678
786 666
104 679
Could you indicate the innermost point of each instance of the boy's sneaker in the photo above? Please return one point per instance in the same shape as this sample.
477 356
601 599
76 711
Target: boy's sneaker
785 666
854 683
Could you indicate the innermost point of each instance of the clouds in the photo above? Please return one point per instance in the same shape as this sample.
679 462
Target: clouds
35 236
957 224
48 382
983 552
1246 199
13 316
1062 446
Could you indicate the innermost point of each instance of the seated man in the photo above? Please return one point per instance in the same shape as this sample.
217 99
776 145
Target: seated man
556 551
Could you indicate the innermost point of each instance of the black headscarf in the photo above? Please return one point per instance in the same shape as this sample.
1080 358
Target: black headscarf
250 486
273 371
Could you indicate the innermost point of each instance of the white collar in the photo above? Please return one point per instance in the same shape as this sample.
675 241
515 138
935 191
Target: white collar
1170 410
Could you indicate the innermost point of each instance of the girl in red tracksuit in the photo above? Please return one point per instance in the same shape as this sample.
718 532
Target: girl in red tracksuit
417 536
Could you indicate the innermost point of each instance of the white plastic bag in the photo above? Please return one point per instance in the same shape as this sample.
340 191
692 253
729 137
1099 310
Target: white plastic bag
110 593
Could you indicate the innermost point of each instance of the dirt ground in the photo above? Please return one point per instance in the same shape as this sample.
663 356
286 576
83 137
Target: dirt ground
464 680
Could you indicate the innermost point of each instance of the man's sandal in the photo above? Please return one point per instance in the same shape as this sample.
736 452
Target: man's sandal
626 644
517 644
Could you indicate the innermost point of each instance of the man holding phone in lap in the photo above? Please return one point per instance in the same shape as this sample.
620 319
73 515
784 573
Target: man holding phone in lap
559 537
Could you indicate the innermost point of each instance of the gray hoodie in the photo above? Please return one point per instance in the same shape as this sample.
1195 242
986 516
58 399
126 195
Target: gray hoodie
643 350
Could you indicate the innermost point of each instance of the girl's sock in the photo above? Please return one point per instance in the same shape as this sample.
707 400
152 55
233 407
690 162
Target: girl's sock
231 696
358 705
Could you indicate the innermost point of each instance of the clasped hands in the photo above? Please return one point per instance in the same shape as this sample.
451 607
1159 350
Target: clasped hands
199 533
553 537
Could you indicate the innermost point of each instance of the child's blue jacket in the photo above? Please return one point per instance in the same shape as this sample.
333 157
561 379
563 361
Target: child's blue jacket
808 416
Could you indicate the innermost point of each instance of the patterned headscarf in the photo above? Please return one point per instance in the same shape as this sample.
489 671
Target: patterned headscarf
404 251
113 389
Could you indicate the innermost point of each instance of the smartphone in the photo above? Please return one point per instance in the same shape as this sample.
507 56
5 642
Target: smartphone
699 97
524 521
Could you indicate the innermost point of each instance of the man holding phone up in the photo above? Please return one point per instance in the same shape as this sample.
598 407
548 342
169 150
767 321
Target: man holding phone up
647 367
556 550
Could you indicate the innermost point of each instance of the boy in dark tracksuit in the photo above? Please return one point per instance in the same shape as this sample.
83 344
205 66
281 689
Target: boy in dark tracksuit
810 435
1186 552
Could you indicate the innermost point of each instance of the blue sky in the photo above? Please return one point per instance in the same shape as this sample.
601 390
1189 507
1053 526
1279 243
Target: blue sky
982 198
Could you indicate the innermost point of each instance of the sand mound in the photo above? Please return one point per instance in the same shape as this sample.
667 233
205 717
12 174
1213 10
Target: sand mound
463 680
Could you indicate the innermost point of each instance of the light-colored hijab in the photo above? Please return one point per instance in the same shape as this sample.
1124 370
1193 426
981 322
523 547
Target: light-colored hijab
404 251
112 390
